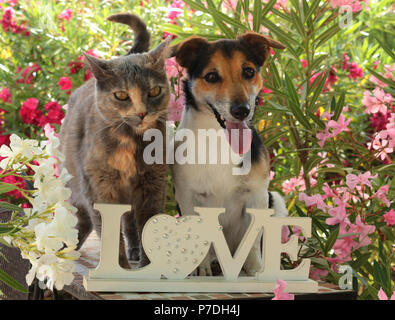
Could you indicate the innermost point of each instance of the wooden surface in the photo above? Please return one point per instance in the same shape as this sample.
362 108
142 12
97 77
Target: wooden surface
90 258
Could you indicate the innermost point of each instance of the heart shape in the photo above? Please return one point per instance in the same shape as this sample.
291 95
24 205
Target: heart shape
178 245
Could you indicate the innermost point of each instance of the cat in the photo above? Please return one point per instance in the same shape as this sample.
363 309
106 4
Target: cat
102 138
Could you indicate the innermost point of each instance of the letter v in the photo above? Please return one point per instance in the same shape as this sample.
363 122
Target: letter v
231 266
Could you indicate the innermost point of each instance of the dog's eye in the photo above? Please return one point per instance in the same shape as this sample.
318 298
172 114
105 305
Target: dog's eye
248 73
154 92
121 95
212 77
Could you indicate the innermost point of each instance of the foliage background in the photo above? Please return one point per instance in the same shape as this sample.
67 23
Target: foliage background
318 165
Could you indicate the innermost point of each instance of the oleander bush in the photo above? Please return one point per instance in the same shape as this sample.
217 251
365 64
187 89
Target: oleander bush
326 111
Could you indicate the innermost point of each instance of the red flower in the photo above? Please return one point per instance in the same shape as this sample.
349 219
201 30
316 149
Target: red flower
355 71
19 182
27 74
4 139
65 84
8 16
29 112
75 66
55 113
5 95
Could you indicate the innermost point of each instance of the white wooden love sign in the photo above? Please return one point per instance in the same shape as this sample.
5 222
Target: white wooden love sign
176 246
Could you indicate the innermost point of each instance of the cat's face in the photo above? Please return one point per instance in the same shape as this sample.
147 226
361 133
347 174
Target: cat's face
132 92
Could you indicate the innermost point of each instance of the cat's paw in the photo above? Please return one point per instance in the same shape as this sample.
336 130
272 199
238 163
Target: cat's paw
204 268
134 254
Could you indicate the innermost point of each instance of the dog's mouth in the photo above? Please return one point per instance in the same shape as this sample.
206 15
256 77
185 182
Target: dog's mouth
238 134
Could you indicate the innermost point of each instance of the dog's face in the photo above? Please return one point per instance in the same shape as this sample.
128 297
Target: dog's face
225 75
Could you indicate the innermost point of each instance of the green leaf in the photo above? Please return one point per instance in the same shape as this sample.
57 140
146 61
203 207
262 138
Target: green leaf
325 36
384 45
10 207
4 229
293 94
257 15
6 187
11 282
331 240
380 77
274 138
318 90
360 261
268 6
338 106
314 5
283 36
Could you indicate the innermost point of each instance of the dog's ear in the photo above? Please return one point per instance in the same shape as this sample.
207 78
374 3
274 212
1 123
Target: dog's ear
260 45
187 51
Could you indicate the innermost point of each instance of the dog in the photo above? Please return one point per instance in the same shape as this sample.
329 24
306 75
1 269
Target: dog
221 90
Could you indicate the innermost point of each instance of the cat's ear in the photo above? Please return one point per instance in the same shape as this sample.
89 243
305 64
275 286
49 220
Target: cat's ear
160 53
187 51
101 69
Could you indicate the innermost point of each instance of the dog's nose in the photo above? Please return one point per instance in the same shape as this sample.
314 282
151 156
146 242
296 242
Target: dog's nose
240 111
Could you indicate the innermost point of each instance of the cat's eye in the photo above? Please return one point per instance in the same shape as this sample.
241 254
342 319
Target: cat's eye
121 95
154 92
212 77
248 73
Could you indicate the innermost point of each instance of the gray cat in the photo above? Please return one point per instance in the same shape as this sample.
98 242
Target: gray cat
102 138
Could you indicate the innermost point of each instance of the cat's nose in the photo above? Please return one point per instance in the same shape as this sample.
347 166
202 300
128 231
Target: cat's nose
142 115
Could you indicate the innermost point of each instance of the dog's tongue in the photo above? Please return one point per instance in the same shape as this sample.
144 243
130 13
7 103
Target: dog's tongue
239 136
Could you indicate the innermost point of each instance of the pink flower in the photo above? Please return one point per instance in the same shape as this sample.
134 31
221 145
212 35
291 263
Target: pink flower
381 194
173 69
176 9
5 95
176 107
293 184
338 126
363 229
65 84
378 102
279 293
389 217
343 248
65 15
285 234
317 273
304 63
314 200
323 136
382 296
355 5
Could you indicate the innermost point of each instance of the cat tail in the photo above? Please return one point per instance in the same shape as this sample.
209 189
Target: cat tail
141 34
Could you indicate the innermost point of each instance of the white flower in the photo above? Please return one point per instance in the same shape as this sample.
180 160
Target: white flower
63 226
8 155
52 147
51 190
27 147
46 238
46 168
